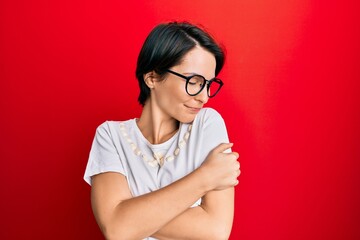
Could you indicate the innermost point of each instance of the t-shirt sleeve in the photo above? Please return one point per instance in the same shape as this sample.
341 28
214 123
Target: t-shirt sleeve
103 155
214 131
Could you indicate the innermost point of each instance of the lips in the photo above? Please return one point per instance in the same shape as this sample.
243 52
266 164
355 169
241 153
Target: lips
193 109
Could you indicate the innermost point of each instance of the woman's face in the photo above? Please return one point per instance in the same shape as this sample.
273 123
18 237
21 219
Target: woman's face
170 95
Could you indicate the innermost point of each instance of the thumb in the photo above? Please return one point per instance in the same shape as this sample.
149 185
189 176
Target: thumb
222 147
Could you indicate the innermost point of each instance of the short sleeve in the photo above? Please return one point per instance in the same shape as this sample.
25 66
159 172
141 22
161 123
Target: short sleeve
103 156
213 129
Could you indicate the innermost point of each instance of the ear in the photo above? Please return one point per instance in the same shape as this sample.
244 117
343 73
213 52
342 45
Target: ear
150 79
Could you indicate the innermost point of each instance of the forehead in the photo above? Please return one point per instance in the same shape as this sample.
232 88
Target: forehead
198 61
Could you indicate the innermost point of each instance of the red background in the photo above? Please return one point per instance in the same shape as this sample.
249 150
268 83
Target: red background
290 101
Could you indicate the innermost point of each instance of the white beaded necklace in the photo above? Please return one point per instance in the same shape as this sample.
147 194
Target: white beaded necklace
157 159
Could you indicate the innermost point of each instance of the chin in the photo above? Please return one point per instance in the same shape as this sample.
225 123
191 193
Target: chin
186 118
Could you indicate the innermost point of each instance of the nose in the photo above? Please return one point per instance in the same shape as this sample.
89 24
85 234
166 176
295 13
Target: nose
202 96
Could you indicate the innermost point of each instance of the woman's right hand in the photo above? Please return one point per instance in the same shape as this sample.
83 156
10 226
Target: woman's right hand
221 169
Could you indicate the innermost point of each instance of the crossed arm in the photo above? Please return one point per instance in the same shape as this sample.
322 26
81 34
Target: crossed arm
166 213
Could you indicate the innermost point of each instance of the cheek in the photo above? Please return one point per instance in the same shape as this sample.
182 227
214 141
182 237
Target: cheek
175 94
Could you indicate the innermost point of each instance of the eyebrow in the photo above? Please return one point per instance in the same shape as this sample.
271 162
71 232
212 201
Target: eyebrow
192 73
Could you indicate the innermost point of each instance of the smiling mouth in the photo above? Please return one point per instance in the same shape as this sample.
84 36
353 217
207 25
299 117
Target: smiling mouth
195 109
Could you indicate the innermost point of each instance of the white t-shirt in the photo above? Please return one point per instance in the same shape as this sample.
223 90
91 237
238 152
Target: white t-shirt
119 146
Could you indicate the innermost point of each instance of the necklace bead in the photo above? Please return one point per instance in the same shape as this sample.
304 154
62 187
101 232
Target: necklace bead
177 151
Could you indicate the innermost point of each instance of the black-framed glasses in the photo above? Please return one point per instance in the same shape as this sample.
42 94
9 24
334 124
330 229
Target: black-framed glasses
196 83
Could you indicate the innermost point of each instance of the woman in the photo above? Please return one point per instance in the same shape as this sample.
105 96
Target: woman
170 173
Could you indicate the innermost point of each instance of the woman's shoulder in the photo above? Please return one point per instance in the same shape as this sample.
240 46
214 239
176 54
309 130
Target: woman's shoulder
208 110
208 114
107 124
112 125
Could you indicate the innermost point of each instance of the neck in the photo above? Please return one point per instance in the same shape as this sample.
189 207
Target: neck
156 126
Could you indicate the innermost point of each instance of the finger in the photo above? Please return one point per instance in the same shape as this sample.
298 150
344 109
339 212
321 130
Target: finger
236 165
236 182
223 146
236 154
232 155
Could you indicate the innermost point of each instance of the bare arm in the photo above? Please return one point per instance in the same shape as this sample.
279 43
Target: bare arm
122 217
212 220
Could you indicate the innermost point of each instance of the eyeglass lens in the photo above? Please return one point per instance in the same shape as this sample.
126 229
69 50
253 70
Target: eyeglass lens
196 84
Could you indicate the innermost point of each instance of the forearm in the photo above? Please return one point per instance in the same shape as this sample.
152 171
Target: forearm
194 223
212 220
140 217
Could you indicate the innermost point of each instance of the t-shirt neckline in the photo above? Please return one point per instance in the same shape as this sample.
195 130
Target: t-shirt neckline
165 144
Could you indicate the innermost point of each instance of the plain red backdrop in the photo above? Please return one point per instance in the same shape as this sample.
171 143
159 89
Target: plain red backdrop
290 101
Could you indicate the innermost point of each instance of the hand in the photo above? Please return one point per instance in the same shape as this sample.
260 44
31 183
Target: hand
221 169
